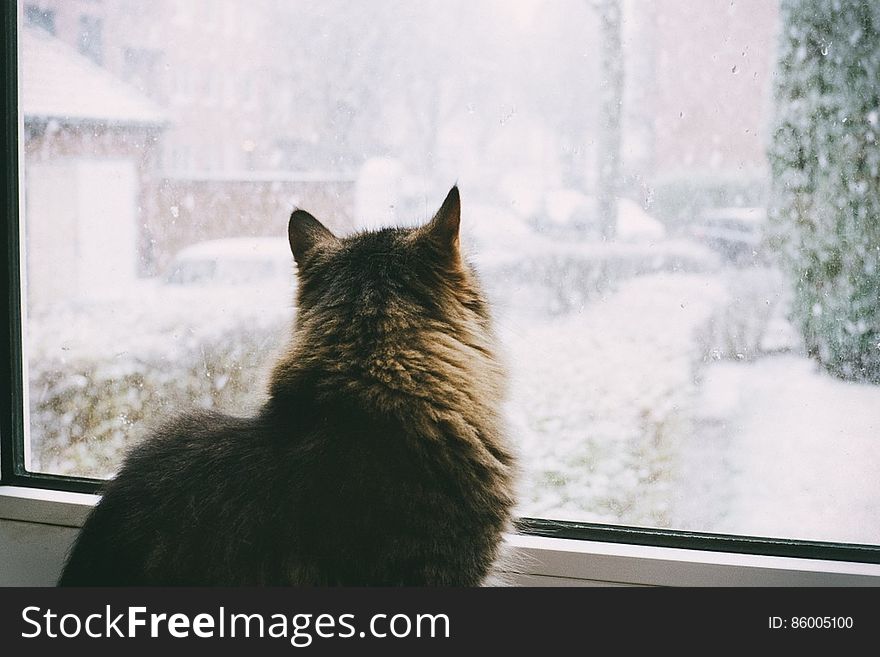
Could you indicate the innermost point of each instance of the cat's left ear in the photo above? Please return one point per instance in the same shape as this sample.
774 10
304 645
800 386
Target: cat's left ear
444 227
306 234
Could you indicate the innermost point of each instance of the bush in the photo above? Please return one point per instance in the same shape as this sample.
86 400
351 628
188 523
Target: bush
825 215
681 198
102 374
564 279
85 414
737 329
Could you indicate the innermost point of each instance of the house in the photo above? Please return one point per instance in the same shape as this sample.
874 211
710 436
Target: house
223 167
89 145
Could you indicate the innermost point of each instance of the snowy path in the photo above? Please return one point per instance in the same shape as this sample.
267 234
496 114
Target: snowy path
600 397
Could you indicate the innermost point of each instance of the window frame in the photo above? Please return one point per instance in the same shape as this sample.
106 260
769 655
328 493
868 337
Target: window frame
63 492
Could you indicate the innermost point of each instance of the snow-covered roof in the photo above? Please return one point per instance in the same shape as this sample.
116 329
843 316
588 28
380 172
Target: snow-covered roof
59 83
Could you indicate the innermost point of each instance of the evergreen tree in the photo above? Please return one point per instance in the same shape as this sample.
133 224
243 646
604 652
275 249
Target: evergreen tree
825 162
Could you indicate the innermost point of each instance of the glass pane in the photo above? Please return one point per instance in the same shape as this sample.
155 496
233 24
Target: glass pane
634 189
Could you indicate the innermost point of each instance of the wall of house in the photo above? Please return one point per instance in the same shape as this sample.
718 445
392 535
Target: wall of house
51 185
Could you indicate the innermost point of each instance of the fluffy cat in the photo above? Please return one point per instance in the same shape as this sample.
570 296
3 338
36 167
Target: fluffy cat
378 459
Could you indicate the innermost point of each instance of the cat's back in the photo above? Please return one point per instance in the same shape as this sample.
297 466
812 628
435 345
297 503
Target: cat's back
410 497
184 506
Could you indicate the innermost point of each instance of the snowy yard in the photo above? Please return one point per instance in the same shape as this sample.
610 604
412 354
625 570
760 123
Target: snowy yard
624 415
644 399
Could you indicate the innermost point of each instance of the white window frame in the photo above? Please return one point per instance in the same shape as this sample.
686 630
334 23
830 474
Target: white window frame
541 561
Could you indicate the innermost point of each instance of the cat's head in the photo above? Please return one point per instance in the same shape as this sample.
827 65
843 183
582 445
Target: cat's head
393 278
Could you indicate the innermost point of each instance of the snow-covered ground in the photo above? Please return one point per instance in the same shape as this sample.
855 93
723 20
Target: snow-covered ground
782 449
660 396
624 415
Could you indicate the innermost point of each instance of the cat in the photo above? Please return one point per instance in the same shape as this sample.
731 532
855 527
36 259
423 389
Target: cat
378 459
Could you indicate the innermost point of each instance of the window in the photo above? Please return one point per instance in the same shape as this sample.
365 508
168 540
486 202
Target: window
617 163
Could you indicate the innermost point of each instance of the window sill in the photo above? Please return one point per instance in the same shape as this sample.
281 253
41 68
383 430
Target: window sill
540 561
45 506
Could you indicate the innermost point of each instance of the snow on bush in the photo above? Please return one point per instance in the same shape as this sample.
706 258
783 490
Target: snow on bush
101 375
561 277
680 199
747 323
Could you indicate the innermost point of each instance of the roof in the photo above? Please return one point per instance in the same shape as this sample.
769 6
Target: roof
59 83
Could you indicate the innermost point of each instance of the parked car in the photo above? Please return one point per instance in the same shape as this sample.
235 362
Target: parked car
735 233
233 261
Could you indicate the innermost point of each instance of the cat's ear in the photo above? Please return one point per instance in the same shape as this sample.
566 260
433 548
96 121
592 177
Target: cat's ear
443 228
305 233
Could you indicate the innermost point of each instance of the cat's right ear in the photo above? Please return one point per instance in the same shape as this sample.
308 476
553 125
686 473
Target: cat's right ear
305 234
